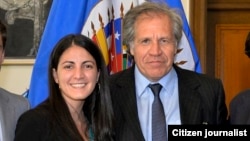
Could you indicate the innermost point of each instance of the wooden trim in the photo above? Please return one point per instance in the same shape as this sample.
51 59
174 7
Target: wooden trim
198 11
219 47
229 6
7 62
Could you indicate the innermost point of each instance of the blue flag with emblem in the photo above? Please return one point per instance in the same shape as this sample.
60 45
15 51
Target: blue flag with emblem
187 56
65 17
101 21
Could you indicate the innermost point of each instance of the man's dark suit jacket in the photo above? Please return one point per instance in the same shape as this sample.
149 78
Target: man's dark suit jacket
201 98
239 108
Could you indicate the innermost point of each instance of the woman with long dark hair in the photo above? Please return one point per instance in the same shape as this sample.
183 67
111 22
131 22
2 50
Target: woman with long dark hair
79 106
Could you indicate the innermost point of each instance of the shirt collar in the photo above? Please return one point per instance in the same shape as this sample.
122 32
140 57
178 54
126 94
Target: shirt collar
142 82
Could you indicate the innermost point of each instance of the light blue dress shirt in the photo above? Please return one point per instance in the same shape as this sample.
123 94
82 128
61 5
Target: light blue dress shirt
168 95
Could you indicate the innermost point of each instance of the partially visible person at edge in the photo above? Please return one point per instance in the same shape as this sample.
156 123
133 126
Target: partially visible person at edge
239 107
79 106
152 33
11 105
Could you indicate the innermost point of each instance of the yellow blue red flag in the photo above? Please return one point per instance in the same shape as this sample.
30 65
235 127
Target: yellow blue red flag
101 20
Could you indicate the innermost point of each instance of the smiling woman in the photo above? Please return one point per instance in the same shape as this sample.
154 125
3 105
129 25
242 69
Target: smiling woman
78 94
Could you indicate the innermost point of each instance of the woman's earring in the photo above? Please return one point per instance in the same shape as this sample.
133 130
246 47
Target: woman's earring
99 86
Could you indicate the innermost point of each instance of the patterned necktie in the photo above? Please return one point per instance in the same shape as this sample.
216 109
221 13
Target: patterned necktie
159 132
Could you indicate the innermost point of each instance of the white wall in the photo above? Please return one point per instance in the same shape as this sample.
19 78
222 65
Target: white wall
186 5
15 75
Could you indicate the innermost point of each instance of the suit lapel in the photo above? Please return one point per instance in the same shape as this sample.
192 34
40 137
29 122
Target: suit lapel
189 98
189 105
128 103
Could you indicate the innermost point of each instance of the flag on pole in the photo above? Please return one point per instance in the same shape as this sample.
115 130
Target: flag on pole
106 18
68 17
102 22
64 17
187 56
